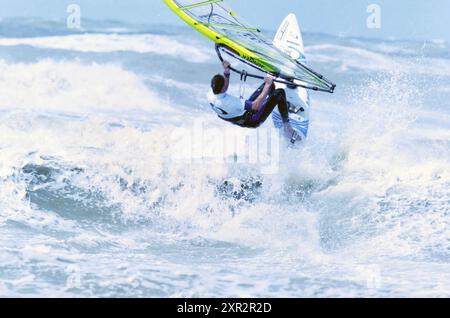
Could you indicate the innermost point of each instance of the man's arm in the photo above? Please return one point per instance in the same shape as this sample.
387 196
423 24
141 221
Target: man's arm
256 105
226 74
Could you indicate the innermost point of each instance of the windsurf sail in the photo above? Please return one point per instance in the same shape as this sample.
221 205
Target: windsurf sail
233 36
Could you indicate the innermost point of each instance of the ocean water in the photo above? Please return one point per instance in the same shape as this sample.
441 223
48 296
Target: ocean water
96 202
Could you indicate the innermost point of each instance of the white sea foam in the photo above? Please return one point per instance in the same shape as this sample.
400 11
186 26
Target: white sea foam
349 58
105 43
74 87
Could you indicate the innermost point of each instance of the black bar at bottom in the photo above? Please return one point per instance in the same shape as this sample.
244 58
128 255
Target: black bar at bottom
217 307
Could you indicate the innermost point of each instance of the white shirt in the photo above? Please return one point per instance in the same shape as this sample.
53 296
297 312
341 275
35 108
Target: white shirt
226 106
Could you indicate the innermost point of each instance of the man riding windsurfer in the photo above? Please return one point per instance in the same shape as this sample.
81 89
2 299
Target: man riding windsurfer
253 112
